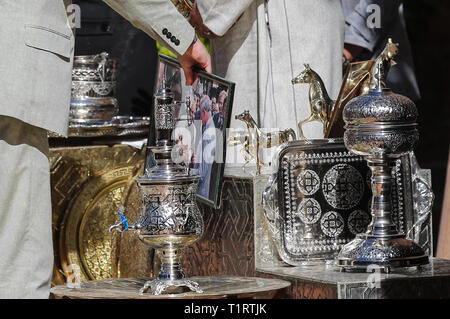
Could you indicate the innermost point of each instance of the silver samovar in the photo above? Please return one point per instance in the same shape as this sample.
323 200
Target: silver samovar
169 219
381 126
93 90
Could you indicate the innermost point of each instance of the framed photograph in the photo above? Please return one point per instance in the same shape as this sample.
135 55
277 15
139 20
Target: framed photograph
203 113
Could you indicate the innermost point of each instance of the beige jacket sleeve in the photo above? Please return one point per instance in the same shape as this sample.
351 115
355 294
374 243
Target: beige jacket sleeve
159 19
220 15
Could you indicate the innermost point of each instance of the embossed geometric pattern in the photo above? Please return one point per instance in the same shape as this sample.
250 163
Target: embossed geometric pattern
309 211
332 224
227 244
96 243
343 186
358 221
73 168
308 182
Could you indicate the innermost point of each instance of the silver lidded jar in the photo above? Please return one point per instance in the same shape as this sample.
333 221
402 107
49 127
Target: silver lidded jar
93 90
381 126
169 219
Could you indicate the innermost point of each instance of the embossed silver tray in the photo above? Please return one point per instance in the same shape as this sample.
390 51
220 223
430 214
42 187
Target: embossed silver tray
318 198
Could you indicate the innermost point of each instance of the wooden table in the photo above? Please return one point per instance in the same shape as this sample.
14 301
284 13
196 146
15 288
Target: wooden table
213 288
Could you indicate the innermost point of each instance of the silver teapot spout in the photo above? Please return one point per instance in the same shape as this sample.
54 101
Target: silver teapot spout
122 225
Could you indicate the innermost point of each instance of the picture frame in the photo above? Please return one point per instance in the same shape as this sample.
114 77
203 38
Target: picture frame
203 113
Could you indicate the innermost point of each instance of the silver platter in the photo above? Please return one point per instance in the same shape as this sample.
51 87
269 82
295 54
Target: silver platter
318 200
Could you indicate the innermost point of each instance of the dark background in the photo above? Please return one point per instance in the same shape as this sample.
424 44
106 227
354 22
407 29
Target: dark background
102 29
428 25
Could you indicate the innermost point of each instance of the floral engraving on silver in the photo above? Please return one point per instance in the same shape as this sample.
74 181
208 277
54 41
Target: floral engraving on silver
382 127
80 89
343 186
309 211
332 224
358 221
308 182
169 219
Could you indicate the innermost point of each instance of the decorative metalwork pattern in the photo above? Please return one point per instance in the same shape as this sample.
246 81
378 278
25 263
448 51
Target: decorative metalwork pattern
165 118
84 244
374 107
129 126
381 126
391 141
82 73
308 182
358 221
169 209
343 186
342 177
86 181
93 76
81 88
93 89
95 245
332 224
227 246
309 211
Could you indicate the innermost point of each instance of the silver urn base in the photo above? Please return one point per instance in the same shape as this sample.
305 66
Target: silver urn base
171 278
368 253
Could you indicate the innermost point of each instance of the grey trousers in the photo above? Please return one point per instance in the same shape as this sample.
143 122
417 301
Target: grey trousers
26 249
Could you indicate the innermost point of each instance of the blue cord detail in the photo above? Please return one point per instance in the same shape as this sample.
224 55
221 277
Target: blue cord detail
124 219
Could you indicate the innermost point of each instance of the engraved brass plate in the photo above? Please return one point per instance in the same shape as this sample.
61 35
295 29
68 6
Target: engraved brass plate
88 185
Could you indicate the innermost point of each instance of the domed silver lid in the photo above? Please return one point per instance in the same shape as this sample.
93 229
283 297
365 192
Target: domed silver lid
384 106
381 105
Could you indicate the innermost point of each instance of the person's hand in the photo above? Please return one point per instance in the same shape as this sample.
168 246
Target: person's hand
352 51
196 21
195 55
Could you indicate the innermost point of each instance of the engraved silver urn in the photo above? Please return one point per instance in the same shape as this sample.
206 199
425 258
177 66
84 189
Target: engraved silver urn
381 126
169 219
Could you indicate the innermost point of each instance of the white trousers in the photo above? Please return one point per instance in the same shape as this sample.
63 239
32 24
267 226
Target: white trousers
26 249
